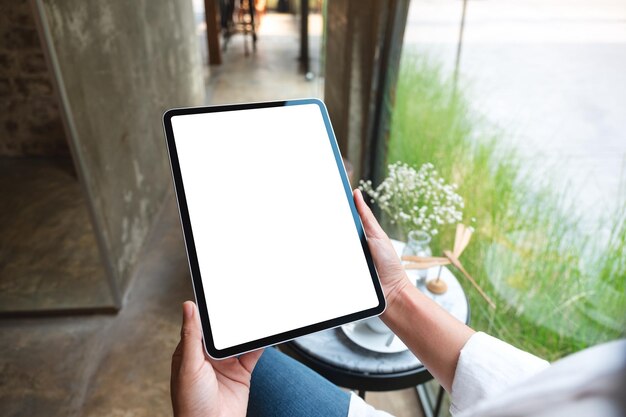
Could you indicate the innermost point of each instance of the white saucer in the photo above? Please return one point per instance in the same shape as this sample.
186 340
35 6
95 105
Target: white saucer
363 336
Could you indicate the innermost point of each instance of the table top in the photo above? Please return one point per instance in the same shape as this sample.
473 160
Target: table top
334 348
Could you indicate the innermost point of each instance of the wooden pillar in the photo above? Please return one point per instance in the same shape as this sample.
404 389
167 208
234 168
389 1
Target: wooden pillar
364 42
212 32
304 36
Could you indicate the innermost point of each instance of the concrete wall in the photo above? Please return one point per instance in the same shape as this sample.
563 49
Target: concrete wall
120 65
363 44
355 31
30 121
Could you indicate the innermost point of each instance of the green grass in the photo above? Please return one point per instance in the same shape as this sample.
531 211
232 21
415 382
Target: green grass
557 288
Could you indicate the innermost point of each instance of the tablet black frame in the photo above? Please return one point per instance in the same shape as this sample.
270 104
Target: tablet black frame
190 247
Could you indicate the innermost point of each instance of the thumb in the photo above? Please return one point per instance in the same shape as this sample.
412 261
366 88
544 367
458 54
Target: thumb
191 337
370 224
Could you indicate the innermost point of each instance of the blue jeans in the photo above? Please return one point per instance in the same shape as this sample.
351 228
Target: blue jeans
282 386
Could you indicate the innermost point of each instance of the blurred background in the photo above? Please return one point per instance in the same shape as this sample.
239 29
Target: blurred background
521 103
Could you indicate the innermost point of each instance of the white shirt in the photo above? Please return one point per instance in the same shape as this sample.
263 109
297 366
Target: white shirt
493 378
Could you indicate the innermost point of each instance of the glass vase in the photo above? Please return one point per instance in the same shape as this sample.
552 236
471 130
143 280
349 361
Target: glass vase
418 245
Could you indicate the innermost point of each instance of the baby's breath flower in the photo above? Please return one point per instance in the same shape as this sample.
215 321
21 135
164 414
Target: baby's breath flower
417 199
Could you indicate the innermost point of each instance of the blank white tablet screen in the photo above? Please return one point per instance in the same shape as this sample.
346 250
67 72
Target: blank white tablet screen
274 234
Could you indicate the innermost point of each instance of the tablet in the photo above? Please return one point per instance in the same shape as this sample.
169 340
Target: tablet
276 248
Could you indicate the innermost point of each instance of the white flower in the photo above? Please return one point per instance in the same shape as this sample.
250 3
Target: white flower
417 199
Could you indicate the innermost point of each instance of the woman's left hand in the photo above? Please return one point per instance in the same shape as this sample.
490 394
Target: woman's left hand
201 386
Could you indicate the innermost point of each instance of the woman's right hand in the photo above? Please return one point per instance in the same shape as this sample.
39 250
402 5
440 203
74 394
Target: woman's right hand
390 270
429 331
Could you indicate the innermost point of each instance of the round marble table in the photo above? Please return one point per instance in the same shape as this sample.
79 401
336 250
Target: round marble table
343 362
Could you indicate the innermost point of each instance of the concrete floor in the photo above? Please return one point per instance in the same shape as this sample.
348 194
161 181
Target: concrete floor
119 365
116 365
49 259
273 71
102 365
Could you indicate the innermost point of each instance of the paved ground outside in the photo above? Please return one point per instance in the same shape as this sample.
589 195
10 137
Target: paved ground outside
551 73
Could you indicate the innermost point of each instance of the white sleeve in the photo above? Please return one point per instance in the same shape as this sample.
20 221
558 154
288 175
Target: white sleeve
486 367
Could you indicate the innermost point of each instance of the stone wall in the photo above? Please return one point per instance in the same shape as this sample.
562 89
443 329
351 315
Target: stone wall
30 121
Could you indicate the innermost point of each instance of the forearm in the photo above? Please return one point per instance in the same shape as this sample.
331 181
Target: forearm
430 332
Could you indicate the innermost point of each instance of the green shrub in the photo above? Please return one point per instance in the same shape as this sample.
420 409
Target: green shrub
558 289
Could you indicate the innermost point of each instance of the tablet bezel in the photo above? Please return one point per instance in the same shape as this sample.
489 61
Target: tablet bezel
192 257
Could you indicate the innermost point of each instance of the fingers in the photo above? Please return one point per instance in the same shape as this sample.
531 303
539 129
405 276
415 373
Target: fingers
249 360
370 224
385 257
177 357
192 352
